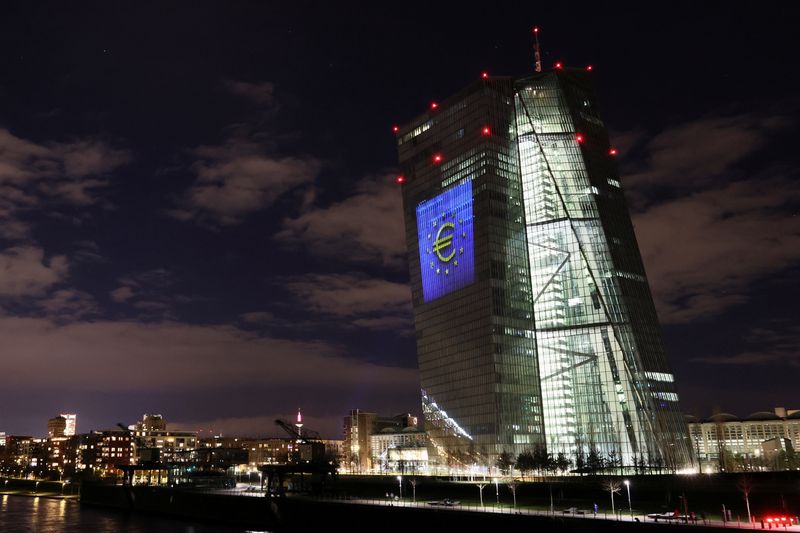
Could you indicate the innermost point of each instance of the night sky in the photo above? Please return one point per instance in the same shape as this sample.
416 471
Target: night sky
198 215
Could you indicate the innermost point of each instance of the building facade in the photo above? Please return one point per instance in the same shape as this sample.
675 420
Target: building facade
726 443
56 426
72 424
404 451
534 320
359 426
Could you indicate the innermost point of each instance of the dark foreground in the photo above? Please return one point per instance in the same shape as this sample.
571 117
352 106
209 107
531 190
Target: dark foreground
299 514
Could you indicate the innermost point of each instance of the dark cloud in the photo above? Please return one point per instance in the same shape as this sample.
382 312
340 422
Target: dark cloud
262 425
356 299
68 305
697 152
152 293
763 346
718 230
258 317
42 354
703 251
24 271
121 294
239 178
59 173
261 93
365 226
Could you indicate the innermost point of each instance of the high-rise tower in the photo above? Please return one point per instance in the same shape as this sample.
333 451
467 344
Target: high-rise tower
534 320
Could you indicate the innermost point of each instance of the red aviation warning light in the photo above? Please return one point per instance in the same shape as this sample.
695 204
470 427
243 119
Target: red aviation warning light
437 158
579 138
400 179
612 151
589 68
395 128
485 75
434 105
559 65
486 131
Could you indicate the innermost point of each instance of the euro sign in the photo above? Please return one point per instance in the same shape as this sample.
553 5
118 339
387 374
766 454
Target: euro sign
443 242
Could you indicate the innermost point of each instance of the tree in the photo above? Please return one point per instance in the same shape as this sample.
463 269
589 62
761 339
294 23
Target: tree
513 488
613 461
613 487
480 491
562 462
594 462
580 462
504 462
525 462
745 485
541 459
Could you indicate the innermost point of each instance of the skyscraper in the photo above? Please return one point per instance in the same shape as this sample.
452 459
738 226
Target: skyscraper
534 320
72 424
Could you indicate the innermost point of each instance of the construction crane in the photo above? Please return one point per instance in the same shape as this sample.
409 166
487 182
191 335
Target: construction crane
302 436
309 445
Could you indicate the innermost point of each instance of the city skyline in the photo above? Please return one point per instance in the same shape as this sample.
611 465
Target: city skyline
200 217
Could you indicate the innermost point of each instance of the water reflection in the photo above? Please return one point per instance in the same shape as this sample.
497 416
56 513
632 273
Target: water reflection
24 514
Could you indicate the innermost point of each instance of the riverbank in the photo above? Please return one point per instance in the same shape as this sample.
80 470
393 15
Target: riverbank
38 489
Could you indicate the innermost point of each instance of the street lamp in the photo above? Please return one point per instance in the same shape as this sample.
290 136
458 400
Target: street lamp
630 508
400 481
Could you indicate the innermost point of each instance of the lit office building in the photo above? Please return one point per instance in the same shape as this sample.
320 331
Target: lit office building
404 451
72 424
151 434
762 441
56 427
534 319
359 426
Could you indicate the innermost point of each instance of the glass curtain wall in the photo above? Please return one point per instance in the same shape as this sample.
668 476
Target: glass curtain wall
595 394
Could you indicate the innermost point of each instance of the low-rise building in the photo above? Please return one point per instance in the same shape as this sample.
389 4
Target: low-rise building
724 442
404 451
359 426
62 456
101 452
151 433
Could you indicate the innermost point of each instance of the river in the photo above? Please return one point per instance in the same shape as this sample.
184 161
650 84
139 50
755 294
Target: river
23 514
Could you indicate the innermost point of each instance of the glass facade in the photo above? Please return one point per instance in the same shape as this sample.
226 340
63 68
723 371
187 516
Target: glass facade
556 339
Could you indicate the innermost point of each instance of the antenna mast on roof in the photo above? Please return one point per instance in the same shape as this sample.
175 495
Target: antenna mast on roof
536 50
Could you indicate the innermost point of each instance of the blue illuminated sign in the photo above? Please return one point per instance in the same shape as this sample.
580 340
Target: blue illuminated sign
444 229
